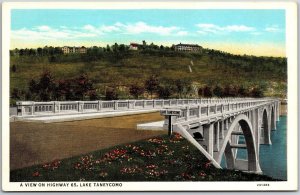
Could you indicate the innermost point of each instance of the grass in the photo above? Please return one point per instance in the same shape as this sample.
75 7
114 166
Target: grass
156 159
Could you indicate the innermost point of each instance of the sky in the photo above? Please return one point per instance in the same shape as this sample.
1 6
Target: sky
252 32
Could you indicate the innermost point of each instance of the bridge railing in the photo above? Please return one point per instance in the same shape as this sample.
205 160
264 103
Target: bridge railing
207 110
55 107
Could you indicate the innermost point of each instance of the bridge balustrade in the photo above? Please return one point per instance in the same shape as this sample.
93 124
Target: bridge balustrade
55 107
209 109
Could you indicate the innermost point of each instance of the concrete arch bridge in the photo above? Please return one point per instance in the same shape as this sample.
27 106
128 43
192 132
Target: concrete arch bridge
223 128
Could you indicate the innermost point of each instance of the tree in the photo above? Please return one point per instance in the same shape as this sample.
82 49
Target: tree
108 49
14 68
183 86
242 91
15 94
122 48
46 86
39 51
111 93
115 47
257 92
136 90
230 91
82 86
207 91
33 86
151 84
218 91
92 95
165 91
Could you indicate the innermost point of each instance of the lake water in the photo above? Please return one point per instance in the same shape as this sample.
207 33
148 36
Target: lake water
272 158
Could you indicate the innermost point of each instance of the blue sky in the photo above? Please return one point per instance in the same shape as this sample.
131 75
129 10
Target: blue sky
257 32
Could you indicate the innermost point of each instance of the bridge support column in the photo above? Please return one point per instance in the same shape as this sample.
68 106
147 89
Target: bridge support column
230 161
221 129
216 136
278 111
235 140
226 121
256 129
273 118
208 132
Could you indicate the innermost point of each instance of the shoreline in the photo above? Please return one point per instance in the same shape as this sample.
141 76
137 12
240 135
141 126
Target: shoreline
283 109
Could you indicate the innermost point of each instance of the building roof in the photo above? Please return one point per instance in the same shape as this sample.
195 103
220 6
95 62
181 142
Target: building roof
191 45
134 44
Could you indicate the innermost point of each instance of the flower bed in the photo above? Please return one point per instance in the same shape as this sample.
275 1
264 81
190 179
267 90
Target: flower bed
156 159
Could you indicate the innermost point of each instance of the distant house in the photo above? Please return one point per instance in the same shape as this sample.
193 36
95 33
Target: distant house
133 46
82 49
188 47
67 49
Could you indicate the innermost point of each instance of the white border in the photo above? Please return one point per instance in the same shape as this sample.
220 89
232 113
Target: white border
292 133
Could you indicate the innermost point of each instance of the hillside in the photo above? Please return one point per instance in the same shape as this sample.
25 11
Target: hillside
121 69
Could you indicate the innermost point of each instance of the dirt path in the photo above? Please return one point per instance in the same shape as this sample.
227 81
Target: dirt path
35 143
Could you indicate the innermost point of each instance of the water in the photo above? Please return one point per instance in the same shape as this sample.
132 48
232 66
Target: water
272 158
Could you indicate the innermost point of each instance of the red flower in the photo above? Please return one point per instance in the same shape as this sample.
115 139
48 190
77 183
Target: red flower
202 174
151 166
36 174
207 165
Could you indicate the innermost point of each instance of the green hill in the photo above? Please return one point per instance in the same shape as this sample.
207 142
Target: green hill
121 69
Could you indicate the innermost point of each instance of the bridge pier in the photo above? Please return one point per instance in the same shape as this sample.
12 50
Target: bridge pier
278 110
216 126
221 129
229 156
208 132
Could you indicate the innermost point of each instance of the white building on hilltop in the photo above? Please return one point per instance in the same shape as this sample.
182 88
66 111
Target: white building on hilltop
68 50
188 47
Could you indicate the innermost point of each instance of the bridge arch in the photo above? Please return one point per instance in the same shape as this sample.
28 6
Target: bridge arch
246 129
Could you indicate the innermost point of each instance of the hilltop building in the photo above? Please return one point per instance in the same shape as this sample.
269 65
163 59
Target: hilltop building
188 47
133 46
68 50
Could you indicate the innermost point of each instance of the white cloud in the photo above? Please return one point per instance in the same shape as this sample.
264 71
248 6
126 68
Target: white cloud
205 28
112 28
43 28
63 32
142 27
239 28
182 33
47 33
89 27
273 28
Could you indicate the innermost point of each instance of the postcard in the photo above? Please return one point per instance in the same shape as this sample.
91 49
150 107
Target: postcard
149 96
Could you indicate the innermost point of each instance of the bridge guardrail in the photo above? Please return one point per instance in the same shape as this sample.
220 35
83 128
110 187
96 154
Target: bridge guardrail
26 108
207 110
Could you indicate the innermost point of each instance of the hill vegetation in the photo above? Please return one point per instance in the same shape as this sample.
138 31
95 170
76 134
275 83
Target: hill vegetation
115 72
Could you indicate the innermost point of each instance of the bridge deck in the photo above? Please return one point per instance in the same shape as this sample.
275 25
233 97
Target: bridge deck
83 116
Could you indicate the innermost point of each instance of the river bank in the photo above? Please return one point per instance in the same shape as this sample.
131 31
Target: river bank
283 109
